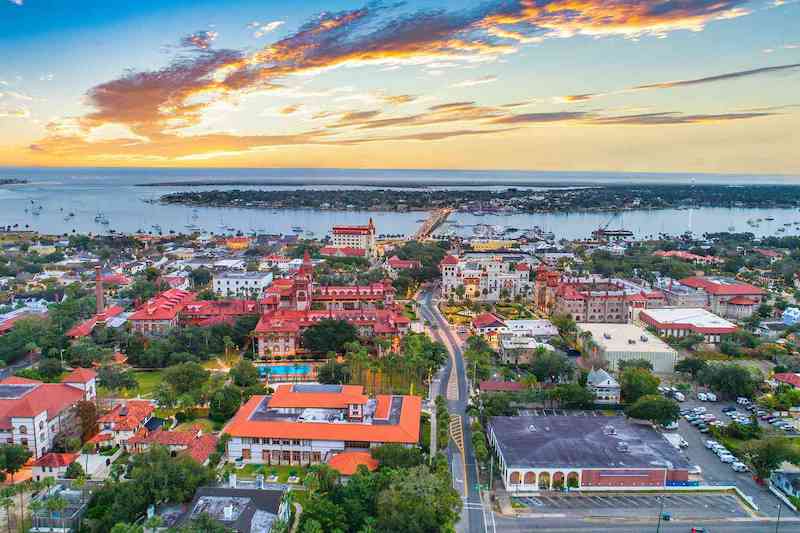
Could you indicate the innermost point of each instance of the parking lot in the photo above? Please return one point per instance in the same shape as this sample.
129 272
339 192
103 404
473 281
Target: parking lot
626 505
714 471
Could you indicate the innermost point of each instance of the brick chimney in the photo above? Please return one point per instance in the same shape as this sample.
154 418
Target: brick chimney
99 296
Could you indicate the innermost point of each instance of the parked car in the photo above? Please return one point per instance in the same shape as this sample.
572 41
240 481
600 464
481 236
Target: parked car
711 443
742 401
699 410
702 396
727 458
728 409
711 397
679 396
695 470
671 426
738 466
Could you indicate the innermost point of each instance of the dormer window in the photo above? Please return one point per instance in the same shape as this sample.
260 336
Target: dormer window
23 430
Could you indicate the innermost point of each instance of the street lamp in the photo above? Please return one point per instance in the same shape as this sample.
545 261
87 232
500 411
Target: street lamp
660 514
778 521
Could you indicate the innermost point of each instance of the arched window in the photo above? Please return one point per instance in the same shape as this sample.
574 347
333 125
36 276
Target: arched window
23 430
515 478
530 478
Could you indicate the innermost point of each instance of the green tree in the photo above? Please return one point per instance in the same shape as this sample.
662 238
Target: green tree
549 366
50 368
634 363
13 457
418 501
244 374
329 336
729 380
637 382
333 373
655 408
572 396
397 456
116 378
74 471
766 455
691 365
321 479
224 403
186 378
200 277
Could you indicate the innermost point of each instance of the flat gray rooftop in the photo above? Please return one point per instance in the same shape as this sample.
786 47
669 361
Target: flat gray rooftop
582 442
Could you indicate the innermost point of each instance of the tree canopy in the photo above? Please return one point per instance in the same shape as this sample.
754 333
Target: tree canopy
329 336
637 382
655 408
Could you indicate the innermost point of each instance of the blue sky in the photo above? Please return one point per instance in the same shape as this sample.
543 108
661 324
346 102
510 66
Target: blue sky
683 85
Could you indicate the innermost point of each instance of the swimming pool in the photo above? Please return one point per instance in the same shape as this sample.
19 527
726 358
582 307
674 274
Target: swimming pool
283 370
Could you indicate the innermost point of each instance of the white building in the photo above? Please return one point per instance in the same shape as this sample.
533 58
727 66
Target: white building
625 342
232 283
32 413
679 323
361 237
605 388
487 276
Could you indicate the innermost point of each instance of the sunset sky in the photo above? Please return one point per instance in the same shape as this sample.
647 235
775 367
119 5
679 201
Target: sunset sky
619 85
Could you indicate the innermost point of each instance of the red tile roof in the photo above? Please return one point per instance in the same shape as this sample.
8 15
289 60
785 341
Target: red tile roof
486 320
521 267
344 251
732 288
501 386
50 397
352 230
788 378
406 431
116 279
79 375
347 463
100 437
202 447
137 412
165 306
450 260
403 264
286 396
56 460
85 328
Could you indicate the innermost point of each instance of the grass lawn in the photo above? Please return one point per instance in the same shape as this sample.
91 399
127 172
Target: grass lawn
251 470
207 425
147 380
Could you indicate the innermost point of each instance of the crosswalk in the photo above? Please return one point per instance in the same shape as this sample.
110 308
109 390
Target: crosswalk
457 432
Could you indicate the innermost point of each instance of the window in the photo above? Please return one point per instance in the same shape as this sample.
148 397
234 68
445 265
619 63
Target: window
24 442
41 424
23 430
246 453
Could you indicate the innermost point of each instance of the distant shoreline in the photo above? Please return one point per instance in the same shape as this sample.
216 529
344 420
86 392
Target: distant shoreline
12 181
427 184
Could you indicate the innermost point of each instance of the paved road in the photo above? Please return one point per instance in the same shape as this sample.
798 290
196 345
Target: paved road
475 517
569 525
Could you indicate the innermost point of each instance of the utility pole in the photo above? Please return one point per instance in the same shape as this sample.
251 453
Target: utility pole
778 521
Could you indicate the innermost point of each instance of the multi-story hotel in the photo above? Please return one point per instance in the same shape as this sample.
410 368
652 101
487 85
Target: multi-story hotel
727 297
310 424
160 313
487 276
360 237
291 305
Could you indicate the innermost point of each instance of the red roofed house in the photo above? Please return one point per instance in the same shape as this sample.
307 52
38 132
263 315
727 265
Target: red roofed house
344 251
210 312
788 378
194 443
772 255
53 465
690 257
32 413
394 265
103 313
124 421
362 237
310 424
487 324
727 297
160 313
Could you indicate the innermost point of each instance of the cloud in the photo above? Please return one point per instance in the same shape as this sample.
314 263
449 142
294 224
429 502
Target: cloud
200 39
291 109
541 118
475 82
398 99
158 104
261 29
667 118
719 77
683 83
14 112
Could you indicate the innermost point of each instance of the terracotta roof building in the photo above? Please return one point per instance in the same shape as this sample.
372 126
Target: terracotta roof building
194 442
362 237
125 420
310 424
32 413
727 297
53 465
160 313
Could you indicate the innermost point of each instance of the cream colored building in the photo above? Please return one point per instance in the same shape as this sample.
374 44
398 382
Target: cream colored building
624 342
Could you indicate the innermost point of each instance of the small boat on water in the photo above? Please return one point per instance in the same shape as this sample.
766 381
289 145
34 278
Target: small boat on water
297 229
769 218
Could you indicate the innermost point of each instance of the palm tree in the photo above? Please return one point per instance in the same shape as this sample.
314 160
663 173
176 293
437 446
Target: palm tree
56 504
35 508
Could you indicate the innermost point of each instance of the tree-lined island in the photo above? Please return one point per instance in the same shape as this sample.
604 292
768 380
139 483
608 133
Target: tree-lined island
513 199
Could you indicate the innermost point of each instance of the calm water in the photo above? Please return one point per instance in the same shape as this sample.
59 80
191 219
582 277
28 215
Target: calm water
85 192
